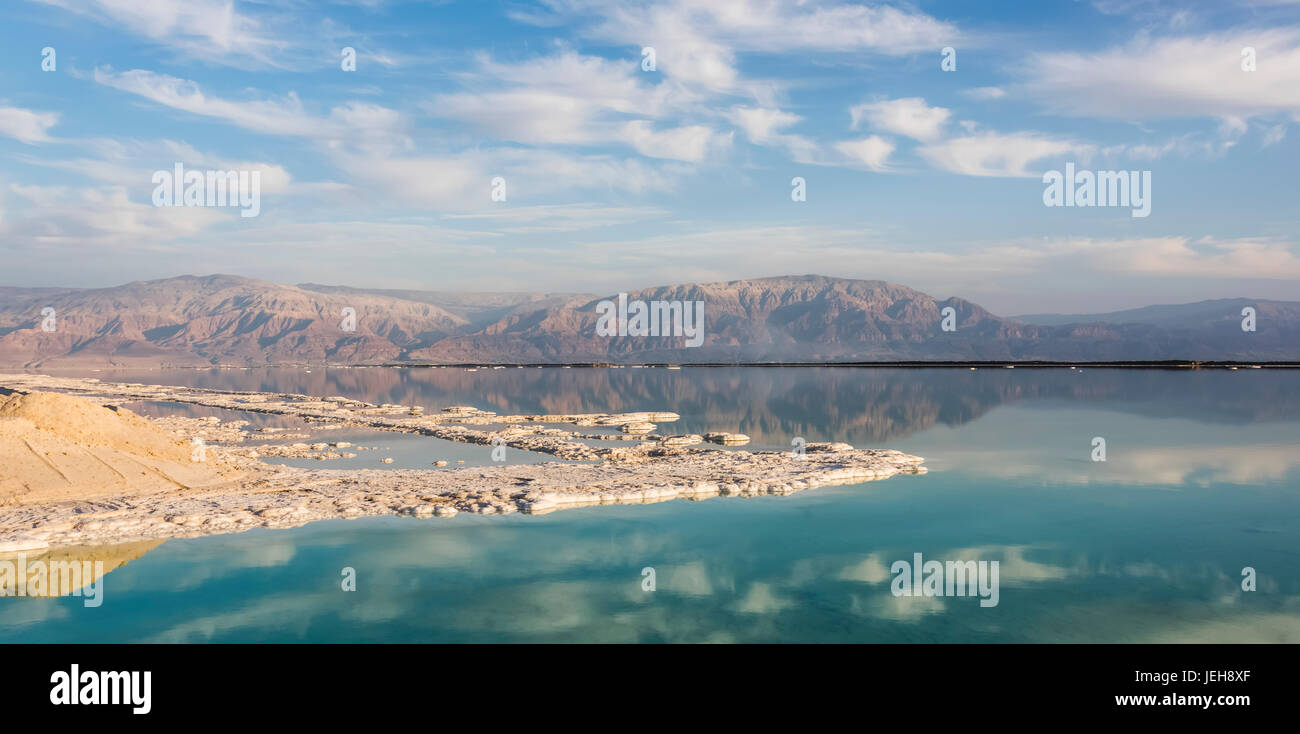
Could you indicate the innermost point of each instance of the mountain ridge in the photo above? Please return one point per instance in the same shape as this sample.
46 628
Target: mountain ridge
223 319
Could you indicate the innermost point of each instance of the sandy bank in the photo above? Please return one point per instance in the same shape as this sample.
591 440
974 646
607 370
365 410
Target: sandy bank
56 447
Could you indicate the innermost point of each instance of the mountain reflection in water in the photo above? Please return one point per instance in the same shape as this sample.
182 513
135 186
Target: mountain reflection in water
1148 546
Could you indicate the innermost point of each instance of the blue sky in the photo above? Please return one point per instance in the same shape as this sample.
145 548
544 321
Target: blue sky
619 178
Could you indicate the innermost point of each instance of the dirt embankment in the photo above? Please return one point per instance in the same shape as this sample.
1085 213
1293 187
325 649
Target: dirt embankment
57 447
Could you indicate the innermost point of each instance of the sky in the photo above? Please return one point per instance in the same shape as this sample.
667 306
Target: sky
921 131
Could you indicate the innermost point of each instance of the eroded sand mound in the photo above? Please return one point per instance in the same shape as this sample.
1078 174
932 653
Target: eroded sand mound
55 447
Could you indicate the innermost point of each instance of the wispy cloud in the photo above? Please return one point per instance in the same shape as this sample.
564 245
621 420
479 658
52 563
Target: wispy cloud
27 126
210 30
909 116
570 99
1174 76
698 41
360 122
993 154
666 174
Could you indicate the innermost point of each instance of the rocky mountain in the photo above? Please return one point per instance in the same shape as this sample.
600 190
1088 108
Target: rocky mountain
819 318
805 318
223 319
216 319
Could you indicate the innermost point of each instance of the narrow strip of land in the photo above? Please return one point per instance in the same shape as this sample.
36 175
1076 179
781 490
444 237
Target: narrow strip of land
649 467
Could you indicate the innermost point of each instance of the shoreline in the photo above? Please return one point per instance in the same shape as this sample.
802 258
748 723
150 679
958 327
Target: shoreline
1035 364
1176 364
648 467
289 497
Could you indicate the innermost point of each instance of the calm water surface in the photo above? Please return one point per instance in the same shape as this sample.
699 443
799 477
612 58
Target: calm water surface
1201 479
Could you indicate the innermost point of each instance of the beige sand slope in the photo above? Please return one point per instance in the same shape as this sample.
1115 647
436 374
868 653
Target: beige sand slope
57 447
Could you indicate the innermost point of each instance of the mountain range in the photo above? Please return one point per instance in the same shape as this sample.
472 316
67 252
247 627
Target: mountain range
231 320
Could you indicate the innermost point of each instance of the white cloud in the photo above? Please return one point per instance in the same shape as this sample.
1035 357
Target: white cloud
361 122
1173 77
1141 258
84 218
763 125
1007 276
697 41
1184 257
992 154
463 181
570 99
275 117
130 164
909 116
212 30
689 143
1274 135
985 93
770 25
566 98
27 126
872 152
525 116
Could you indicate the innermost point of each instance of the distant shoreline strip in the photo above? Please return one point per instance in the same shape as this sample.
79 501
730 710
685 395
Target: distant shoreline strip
1035 364
1158 364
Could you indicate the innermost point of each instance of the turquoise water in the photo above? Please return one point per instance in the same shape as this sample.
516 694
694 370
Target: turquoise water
1201 480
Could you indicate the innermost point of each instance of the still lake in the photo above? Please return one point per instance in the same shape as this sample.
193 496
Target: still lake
1201 480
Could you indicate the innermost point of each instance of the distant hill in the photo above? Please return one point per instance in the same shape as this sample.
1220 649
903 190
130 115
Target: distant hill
799 317
478 309
214 319
1183 315
224 319
819 318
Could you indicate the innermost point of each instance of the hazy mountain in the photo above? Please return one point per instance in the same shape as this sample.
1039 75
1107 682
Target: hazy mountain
225 319
1183 315
800 317
478 309
812 317
230 320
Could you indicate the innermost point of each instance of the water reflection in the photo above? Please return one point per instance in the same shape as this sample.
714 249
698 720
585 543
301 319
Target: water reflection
771 404
1087 551
809 567
70 572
